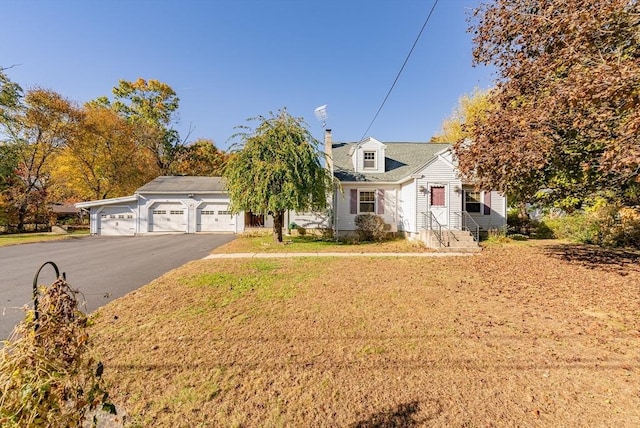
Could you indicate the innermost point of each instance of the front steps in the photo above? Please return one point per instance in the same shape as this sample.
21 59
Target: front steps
454 241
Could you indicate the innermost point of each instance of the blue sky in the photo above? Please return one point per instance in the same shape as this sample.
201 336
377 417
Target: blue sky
229 60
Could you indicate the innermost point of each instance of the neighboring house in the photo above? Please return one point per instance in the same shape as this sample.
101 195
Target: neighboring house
415 187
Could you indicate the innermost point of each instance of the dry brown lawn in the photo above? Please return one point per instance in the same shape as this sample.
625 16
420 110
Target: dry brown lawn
520 335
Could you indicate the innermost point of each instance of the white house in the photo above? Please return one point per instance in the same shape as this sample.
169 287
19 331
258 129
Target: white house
415 187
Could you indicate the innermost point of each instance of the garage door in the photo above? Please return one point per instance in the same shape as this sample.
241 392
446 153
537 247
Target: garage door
215 218
169 218
117 221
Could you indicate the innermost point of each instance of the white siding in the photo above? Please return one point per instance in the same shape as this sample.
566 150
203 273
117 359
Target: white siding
498 216
310 220
407 207
346 220
438 172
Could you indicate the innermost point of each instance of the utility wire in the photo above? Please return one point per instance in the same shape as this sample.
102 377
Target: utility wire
401 69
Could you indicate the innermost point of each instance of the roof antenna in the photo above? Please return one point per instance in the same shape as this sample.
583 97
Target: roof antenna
321 114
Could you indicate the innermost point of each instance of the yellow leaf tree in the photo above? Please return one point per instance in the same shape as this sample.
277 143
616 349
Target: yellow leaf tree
102 159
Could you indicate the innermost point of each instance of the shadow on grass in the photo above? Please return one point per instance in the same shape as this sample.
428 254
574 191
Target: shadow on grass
403 415
620 261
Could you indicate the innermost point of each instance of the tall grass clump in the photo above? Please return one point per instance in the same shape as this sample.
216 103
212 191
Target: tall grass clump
48 377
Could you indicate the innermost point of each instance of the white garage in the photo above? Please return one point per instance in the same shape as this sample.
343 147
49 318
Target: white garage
116 220
214 217
168 217
177 204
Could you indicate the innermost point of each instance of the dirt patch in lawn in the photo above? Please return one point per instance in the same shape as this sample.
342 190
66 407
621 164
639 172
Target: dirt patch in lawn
517 336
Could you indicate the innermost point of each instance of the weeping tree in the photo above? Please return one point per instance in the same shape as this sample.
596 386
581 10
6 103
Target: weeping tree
276 167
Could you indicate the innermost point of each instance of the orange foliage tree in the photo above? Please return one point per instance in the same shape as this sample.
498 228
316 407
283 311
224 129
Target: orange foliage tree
565 118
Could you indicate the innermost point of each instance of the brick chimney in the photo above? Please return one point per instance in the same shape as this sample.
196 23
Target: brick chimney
328 142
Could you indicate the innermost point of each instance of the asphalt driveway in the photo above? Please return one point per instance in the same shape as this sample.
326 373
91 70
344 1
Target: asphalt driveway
102 268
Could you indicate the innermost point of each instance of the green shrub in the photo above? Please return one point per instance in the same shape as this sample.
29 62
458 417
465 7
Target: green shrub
370 227
601 224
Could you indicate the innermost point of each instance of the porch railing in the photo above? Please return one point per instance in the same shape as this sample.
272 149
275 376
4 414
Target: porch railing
436 228
467 223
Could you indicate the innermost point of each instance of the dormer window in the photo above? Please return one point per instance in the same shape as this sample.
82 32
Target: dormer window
369 160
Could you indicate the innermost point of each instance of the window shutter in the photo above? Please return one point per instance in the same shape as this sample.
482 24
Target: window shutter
487 203
353 201
380 209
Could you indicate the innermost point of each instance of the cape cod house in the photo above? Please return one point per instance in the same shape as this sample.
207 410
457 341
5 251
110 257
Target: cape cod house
415 187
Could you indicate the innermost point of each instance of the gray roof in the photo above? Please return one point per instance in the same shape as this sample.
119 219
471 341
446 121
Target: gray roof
182 184
401 160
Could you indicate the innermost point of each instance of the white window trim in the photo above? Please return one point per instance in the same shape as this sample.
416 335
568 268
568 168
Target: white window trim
375 160
374 202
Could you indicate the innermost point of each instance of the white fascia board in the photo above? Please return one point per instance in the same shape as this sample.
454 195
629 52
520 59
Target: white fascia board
435 157
182 192
110 201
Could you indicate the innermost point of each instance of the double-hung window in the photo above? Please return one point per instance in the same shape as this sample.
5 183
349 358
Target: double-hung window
370 160
367 201
472 201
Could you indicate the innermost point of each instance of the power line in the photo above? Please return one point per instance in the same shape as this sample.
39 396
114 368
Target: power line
401 69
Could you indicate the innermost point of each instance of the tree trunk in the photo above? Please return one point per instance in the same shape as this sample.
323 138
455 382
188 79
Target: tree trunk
22 215
278 220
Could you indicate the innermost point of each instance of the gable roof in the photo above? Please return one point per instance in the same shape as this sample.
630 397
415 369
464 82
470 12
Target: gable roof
110 201
401 160
182 184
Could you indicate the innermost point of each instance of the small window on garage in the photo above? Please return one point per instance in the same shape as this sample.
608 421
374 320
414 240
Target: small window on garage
176 212
207 212
159 211
224 212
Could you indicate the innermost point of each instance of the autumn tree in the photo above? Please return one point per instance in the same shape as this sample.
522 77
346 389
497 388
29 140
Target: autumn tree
10 97
471 108
36 127
102 159
276 167
201 158
152 106
565 121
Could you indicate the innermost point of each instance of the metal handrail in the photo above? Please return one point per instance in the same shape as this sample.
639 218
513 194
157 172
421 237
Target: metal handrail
438 231
469 224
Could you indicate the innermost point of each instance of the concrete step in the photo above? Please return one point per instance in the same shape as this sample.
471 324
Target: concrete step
461 235
467 238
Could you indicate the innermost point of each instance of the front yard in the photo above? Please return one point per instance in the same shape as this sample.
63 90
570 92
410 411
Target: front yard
524 334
